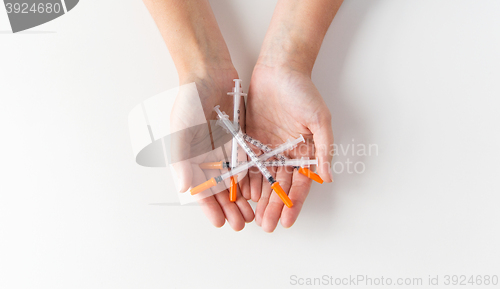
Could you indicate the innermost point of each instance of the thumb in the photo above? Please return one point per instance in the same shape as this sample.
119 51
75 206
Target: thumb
180 151
184 174
323 144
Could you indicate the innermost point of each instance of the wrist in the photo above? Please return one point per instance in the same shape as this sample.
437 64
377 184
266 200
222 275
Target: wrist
195 56
287 57
204 71
202 64
296 33
289 49
192 35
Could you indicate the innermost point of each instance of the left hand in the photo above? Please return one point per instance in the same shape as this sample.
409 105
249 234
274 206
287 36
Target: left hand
282 104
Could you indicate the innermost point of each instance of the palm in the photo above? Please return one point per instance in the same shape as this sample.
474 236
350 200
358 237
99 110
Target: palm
194 142
283 104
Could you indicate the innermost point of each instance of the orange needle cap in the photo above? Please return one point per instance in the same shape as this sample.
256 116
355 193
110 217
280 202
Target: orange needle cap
283 196
307 172
233 189
205 186
211 166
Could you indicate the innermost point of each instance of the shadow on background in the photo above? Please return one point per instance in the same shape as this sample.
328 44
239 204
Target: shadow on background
26 32
347 121
244 51
327 75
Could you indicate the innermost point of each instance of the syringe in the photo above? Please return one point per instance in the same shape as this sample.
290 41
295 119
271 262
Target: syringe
276 163
237 94
305 171
238 135
289 144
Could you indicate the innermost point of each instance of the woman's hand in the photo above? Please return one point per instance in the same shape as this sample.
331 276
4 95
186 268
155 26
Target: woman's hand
201 56
195 143
284 103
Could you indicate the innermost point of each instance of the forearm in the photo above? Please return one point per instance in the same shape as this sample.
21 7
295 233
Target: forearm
190 30
296 33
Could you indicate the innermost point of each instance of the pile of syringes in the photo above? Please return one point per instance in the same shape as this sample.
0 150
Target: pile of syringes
261 161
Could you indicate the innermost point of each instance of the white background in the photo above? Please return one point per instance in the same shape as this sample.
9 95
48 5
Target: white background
418 78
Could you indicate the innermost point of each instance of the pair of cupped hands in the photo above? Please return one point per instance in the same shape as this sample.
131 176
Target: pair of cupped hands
282 104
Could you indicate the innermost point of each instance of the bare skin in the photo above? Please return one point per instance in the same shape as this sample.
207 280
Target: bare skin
283 102
200 54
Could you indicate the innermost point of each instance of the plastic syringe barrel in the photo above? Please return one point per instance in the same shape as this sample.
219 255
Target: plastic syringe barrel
283 147
282 159
288 145
225 120
237 94
234 151
303 162
239 137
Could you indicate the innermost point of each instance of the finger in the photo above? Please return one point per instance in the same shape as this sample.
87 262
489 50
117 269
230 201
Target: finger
284 177
245 208
262 204
298 193
231 211
213 211
209 204
273 210
323 141
265 196
255 179
244 185
180 151
184 173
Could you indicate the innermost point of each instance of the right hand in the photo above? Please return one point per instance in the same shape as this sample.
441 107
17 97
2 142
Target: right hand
192 146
